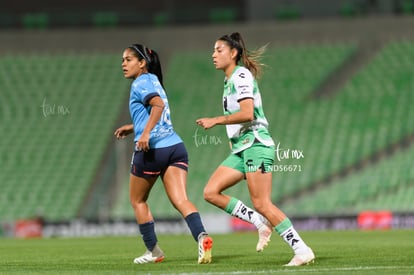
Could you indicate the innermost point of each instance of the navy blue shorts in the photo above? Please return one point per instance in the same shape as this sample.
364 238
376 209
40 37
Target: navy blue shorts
155 162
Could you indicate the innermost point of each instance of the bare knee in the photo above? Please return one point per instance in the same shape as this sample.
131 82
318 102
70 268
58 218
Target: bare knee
136 204
210 194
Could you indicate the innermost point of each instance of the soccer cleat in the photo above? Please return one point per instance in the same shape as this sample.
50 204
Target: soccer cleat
205 244
154 256
302 259
265 232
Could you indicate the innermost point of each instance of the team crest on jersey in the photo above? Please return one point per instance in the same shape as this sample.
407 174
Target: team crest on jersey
247 140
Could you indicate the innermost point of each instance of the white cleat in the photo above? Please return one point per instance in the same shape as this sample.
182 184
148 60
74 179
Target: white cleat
154 256
265 232
302 259
205 244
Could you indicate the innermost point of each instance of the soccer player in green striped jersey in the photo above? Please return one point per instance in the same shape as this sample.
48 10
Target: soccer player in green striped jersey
252 148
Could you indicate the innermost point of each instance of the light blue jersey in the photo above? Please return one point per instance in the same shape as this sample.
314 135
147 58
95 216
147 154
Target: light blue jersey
143 88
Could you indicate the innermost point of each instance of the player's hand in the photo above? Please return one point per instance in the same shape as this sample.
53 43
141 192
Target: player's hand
143 143
206 122
123 131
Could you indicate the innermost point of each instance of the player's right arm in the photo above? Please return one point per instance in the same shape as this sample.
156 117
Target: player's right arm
245 114
123 131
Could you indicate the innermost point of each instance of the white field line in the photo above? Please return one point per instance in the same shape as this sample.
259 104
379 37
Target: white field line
296 270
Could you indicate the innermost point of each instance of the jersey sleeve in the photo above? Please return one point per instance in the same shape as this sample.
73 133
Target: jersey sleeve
244 84
148 96
145 91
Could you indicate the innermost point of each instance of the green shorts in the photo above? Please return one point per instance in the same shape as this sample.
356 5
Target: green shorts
256 157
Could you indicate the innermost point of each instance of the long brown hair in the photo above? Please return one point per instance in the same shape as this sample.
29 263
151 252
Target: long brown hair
250 59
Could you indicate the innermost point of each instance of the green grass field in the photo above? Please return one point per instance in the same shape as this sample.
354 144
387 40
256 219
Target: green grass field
337 252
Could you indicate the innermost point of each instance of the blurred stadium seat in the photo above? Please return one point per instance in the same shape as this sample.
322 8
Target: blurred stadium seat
57 111
371 112
385 185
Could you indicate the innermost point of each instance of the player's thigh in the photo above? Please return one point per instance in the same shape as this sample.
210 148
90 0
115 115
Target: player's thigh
139 188
175 183
223 178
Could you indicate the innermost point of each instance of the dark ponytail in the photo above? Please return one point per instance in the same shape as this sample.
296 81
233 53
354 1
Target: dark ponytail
152 59
250 59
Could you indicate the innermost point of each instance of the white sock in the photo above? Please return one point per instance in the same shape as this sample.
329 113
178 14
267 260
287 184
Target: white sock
292 238
247 214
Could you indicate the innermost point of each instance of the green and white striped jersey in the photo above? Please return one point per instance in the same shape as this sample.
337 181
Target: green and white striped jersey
239 86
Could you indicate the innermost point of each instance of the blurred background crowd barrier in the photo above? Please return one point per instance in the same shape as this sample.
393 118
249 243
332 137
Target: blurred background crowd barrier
107 13
338 87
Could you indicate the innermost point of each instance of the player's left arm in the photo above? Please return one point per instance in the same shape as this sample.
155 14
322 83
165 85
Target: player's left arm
157 107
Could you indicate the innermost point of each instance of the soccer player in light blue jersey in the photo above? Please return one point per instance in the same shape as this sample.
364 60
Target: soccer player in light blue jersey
252 148
159 152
